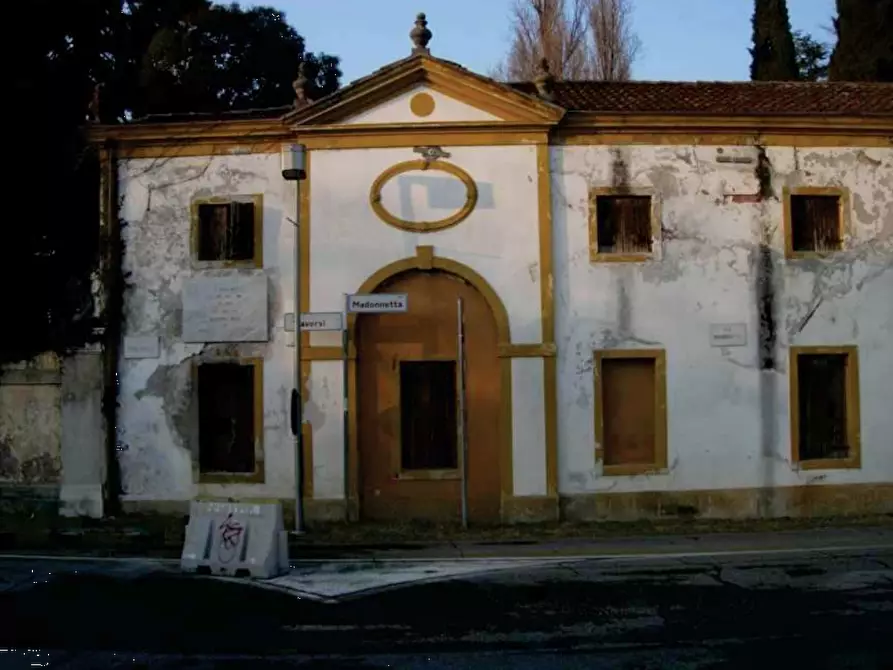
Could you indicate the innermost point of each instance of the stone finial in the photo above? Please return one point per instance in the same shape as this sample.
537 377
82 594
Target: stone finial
301 86
420 35
544 81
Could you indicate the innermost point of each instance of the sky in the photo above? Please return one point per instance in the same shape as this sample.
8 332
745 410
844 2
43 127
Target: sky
682 40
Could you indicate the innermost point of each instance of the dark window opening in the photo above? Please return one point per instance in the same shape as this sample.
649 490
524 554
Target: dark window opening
226 427
629 416
624 223
226 231
822 406
815 223
428 415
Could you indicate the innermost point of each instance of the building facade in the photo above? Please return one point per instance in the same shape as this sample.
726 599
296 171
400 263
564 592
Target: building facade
676 300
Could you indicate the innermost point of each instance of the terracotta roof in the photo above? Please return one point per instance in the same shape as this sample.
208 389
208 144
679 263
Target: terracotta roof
724 98
655 97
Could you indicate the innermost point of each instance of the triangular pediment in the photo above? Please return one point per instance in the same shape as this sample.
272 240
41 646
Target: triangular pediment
423 89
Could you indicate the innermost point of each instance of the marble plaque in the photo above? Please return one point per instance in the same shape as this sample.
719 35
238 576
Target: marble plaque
225 309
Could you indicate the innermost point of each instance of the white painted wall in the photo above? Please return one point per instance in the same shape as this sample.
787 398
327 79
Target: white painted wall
499 240
153 392
397 110
705 277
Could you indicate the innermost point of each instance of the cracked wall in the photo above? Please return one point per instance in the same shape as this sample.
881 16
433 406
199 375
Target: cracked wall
157 429
718 239
30 422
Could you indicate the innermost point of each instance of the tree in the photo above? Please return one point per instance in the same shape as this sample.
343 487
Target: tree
614 46
864 49
773 56
580 39
550 29
151 56
812 57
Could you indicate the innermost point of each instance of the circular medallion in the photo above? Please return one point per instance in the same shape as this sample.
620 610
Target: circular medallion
471 196
422 104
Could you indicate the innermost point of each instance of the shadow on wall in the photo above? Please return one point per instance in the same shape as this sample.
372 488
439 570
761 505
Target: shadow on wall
446 194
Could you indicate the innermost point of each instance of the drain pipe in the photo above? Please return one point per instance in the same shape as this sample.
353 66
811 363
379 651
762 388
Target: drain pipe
293 169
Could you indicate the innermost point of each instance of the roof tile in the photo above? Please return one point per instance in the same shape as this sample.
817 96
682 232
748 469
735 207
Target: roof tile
722 98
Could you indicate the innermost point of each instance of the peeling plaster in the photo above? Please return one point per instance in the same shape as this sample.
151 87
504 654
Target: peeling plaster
711 249
158 416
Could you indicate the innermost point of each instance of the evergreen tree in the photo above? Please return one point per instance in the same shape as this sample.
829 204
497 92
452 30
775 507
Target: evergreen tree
773 53
864 50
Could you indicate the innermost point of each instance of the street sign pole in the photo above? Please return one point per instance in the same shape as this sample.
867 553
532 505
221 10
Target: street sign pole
345 345
462 445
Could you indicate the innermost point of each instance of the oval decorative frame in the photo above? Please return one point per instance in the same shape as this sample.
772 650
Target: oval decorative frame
471 196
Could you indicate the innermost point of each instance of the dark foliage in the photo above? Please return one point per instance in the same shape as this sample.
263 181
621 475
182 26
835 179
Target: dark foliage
812 57
150 56
773 53
864 50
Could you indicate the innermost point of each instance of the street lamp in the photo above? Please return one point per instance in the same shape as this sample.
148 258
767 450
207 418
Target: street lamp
293 169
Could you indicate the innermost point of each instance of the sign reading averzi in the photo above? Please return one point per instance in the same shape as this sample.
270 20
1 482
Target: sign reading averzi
377 303
321 321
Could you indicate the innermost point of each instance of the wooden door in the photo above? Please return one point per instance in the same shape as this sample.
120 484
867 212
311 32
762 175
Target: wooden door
406 366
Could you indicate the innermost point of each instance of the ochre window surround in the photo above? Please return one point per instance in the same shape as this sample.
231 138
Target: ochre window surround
852 408
258 475
658 462
843 218
599 256
257 259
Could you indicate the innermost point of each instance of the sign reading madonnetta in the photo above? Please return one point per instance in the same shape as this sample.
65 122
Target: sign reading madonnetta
377 303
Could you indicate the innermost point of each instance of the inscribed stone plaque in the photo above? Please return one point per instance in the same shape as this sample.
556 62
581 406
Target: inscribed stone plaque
728 334
225 309
141 346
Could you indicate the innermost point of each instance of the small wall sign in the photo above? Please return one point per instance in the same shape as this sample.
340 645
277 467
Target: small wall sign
728 334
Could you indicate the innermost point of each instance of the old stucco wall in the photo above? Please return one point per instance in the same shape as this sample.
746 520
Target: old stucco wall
156 431
30 422
717 403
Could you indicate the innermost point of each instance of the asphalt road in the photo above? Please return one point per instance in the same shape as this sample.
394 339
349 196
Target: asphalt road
814 610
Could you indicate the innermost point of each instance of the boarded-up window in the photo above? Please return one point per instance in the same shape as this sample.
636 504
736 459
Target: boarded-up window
629 411
822 405
428 415
623 224
815 223
226 231
226 429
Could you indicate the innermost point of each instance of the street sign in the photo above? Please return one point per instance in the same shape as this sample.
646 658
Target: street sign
377 303
313 321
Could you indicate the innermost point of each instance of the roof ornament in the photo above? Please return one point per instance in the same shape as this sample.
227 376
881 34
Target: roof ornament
420 35
302 86
545 81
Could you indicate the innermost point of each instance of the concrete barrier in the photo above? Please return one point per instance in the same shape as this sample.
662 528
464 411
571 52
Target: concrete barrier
235 539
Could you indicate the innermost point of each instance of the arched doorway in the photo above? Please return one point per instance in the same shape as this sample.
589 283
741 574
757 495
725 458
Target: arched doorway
407 409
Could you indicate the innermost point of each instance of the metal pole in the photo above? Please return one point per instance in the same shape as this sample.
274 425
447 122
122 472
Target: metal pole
344 400
298 397
460 402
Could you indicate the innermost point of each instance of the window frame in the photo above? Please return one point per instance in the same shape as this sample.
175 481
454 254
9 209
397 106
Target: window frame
595 256
659 466
258 476
257 260
853 410
442 474
843 218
